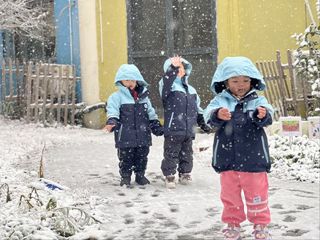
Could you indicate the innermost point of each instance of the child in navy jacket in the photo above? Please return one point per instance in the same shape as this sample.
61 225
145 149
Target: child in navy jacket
132 118
182 112
240 148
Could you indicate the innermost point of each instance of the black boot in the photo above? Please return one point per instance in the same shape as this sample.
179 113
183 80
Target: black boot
141 179
125 181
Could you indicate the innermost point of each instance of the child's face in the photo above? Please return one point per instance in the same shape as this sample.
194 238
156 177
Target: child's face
239 85
182 71
131 84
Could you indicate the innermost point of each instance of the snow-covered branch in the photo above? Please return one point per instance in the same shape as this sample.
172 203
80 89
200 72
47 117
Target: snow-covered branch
23 17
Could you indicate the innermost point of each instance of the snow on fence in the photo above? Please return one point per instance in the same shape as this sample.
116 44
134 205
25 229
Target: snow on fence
288 96
50 93
12 90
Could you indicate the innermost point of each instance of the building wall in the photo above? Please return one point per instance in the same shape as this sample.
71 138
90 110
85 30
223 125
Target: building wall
112 42
252 28
257 29
89 60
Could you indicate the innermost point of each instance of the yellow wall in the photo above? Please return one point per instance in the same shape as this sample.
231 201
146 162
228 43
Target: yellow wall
257 28
112 42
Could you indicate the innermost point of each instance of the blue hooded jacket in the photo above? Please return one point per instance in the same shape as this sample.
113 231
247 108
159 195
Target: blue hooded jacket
131 117
180 100
240 144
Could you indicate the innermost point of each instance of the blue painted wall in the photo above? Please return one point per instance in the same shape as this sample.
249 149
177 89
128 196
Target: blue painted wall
1 46
67 36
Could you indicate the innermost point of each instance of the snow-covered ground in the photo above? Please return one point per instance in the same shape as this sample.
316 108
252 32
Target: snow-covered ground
84 162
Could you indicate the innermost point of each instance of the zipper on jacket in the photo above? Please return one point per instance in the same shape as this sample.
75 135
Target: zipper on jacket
215 153
171 118
264 149
135 119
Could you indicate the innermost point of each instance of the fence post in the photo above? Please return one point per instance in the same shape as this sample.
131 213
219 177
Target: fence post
3 94
45 89
29 90
281 85
73 97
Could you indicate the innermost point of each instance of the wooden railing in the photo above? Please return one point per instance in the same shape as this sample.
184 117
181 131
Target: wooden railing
44 92
287 95
50 93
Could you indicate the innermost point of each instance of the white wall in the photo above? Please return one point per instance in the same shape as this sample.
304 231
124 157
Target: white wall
89 58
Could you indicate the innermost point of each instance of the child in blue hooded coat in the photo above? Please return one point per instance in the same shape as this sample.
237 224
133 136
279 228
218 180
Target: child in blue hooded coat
132 118
240 148
182 112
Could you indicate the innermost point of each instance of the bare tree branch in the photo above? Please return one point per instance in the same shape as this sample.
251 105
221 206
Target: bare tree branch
24 17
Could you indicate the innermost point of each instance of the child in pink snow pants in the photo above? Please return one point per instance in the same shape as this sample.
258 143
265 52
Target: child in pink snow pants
240 148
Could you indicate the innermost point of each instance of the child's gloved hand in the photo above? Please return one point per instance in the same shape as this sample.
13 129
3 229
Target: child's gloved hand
224 114
204 127
156 127
262 112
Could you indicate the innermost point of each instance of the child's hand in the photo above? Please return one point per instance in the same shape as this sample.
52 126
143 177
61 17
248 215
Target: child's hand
224 114
108 128
261 112
176 61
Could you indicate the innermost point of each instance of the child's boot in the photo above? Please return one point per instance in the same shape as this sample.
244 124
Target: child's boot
125 181
261 232
185 178
141 179
170 182
232 233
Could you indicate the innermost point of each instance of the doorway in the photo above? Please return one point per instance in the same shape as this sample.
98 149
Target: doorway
158 29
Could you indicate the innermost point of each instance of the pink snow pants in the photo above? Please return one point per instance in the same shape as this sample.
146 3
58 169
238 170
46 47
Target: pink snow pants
255 189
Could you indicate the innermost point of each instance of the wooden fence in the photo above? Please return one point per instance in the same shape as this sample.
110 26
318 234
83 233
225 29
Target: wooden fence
285 92
12 88
50 93
44 92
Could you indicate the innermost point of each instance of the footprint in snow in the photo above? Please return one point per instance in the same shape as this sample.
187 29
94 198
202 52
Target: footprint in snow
128 219
288 212
156 193
303 207
294 232
277 206
289 218
128 204
303 193
173 207
121 194
144 211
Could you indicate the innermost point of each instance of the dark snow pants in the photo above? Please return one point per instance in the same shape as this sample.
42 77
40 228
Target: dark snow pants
177 152
133 159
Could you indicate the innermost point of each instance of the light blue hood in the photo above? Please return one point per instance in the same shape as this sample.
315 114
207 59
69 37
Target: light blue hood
236 66
129 72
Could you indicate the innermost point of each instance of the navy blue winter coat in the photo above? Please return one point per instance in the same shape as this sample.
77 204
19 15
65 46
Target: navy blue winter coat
133 118
180 100
240 144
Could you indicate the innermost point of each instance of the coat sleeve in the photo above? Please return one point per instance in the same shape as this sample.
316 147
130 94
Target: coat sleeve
168 80
210 113
151 112
267 120
113 107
